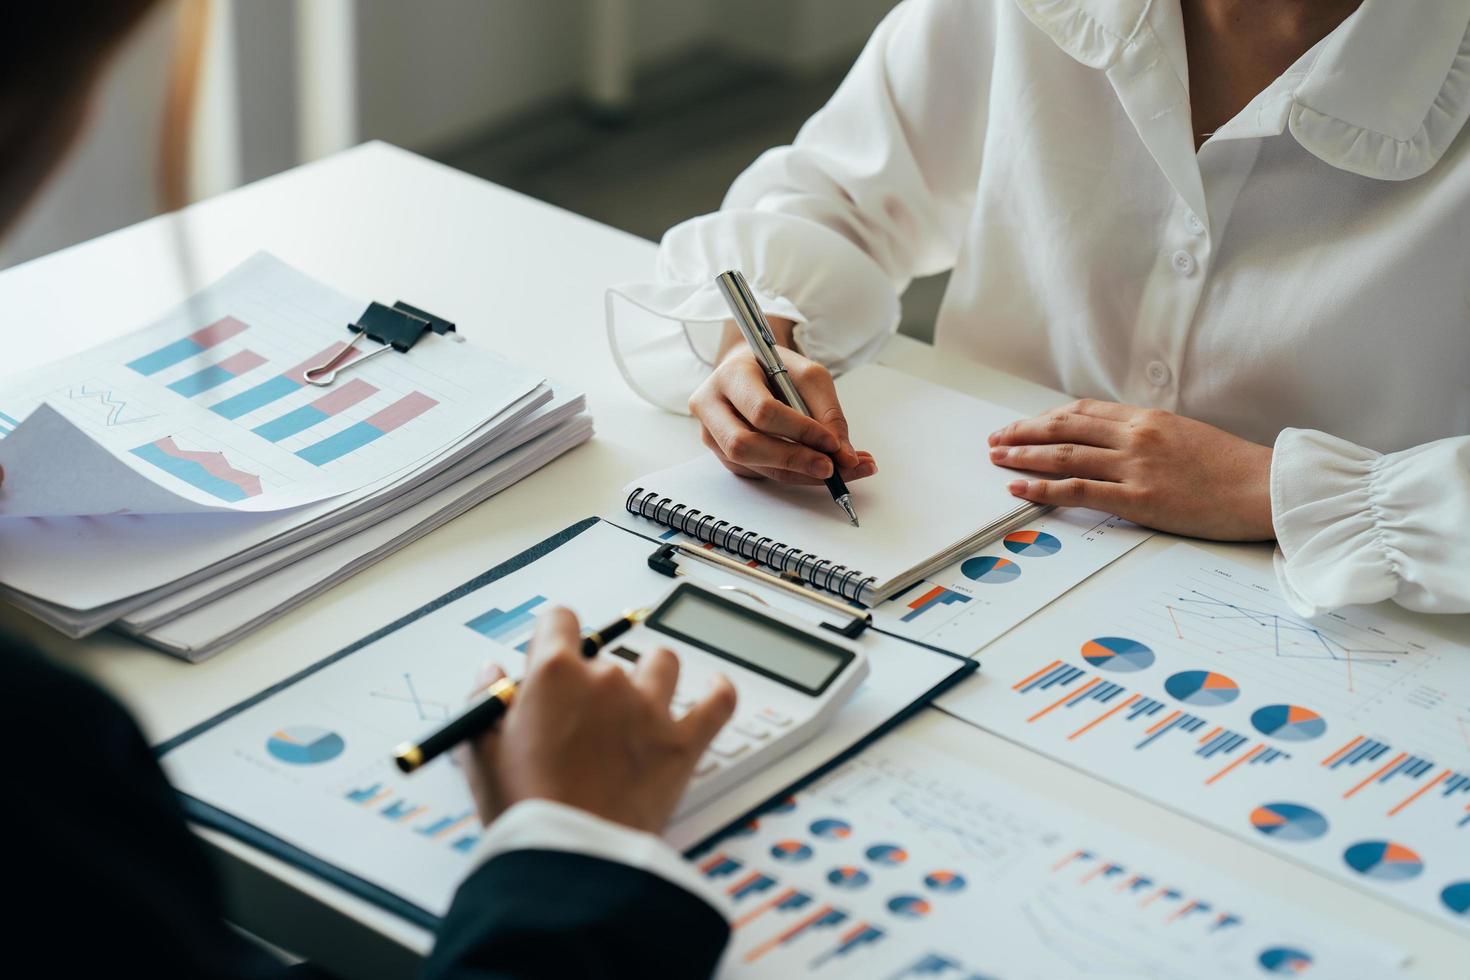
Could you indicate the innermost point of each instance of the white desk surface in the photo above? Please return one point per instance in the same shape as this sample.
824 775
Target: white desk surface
526 279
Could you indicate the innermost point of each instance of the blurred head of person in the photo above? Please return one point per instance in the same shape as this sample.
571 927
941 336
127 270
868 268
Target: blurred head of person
55 52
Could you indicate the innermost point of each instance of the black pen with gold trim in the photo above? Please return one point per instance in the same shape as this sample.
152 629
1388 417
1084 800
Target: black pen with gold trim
485 710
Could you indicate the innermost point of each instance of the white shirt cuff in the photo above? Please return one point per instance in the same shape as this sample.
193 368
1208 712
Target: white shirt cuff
550 826
665 334
1356 526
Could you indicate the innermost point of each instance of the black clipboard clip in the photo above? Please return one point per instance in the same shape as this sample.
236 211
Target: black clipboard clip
397 327
664 561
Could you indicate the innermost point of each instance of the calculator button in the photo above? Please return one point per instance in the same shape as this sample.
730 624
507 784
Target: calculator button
727 746
772 717
707 764
752 729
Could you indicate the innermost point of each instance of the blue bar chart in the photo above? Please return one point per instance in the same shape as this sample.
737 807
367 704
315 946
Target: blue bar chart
371 429
181 350
505 625
458 829
339 399
214 375
277 387
1217 742
1447 788
934 598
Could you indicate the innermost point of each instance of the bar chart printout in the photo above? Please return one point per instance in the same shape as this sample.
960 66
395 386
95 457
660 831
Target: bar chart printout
368 431
274 389
512 626
1342 743
214 375
338 400
181 350
908 888
225 373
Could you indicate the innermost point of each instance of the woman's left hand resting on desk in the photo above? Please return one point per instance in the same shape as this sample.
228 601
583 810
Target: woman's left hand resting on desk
1148 466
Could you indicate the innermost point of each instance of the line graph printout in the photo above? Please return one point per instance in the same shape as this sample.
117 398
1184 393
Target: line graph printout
1342 741
209 406
910 861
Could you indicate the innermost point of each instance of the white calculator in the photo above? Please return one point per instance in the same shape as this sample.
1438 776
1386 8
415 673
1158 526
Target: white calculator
791 677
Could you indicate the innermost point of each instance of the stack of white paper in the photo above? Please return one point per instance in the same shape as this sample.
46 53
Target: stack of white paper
186 485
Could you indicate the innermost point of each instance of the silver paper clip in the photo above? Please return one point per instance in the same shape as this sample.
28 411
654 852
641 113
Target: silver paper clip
324 374
397 327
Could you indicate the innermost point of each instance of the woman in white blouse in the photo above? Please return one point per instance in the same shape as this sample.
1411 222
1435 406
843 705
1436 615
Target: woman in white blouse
1236 230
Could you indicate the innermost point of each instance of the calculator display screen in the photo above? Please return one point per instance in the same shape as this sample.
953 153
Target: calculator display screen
744 636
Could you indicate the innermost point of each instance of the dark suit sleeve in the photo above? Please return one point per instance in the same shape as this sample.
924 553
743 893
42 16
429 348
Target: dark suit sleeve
105 879
554 914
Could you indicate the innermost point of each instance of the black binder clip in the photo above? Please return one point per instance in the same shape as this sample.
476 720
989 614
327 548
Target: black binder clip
397 327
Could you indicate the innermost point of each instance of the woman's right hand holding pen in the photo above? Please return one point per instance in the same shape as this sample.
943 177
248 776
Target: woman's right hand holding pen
755 435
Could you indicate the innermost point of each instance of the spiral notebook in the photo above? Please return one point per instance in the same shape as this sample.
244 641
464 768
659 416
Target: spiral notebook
935 498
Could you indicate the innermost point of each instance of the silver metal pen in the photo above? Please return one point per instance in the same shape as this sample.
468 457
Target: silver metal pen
757 333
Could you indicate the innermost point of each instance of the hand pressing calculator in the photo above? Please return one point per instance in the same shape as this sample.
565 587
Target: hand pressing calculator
790 677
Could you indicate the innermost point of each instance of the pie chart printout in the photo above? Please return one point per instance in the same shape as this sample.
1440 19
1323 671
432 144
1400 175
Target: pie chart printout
908 906
888 854
1032 544
945 881
1203 688
848 878
988 570
1117 653
1383 860
790 851
1456 898
1289 821
830 828
1288 722
305 745
1285 961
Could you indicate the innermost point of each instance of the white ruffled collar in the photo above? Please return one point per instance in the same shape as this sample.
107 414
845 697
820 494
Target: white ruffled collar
1387 93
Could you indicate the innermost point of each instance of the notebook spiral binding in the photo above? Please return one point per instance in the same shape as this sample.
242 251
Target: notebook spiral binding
749 544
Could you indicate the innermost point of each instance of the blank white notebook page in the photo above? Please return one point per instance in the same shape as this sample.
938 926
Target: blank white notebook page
935 485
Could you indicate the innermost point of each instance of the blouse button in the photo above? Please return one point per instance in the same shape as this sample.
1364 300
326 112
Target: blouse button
1183 262
1194 224
1158 373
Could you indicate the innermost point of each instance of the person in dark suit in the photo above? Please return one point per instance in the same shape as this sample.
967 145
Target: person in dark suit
104 878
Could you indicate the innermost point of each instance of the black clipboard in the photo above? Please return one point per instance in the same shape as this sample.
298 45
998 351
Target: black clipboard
208 815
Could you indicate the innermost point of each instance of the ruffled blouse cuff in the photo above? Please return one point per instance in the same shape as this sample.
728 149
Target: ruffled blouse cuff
1355 526
665 334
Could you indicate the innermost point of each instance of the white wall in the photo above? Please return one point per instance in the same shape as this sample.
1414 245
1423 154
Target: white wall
435 71
493 60
429 73
802 35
